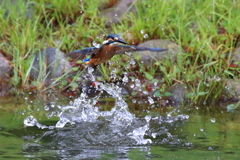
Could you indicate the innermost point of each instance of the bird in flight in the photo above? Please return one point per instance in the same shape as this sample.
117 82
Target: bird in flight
111 46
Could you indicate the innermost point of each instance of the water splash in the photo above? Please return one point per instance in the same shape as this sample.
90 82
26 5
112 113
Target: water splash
145 36
95 44
82 123
31 121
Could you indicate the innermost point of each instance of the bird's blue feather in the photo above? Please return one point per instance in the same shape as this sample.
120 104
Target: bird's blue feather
86 60
143 48
87 50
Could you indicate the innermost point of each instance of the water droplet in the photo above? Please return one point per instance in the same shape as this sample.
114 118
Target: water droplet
116 15
142 31
210 148
95 44
128 66
150 100
46 108
148 118
30 121
227 87
125 79
213 120
62 122
145 92
154 135
217 78
145 36
201 129
132 62
132 86
188 144
137 82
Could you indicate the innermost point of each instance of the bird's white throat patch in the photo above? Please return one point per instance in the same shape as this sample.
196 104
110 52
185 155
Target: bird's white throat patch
114 43
104 42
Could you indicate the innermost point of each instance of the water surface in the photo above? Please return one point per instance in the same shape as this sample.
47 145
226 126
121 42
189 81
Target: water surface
115 129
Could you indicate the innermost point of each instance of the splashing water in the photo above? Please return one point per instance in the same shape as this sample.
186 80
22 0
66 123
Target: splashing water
83 110
89 125
95 44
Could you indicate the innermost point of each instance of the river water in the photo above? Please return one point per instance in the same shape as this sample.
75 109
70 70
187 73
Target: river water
115 128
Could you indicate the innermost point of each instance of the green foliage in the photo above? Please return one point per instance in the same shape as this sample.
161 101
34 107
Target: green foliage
204 30
232 107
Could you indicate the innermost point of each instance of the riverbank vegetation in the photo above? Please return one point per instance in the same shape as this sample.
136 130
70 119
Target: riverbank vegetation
207 33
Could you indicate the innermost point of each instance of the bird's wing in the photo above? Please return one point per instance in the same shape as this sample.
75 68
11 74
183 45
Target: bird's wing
81 54
123 49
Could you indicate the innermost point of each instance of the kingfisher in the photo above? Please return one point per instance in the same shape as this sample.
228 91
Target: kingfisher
112 45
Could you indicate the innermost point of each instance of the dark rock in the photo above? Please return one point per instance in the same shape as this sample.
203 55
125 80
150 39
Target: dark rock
236 57
106 4
178 93
115 14
232 89
48 64
5 67
171 54
13 5
5 71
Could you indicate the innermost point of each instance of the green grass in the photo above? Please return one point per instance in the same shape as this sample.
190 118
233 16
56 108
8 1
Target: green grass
69 25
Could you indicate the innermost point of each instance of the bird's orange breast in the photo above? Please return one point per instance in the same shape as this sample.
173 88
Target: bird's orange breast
104 54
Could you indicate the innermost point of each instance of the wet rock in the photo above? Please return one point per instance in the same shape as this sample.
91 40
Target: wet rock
5 67
106 4
5 71
171 54
236 57
178 92
115 13
48 64
232 89
15 4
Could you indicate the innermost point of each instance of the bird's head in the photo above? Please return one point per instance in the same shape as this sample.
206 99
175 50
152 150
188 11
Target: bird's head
113 39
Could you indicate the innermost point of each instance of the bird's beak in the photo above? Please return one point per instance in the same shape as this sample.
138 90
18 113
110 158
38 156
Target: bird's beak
121 41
